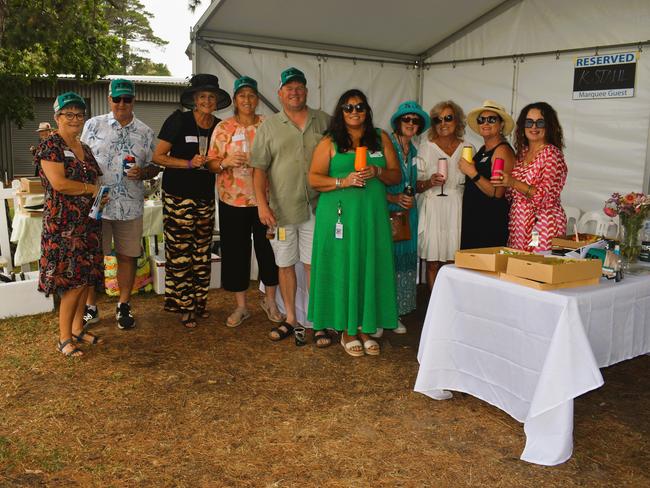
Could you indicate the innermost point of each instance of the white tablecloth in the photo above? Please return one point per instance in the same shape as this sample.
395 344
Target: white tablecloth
26 232
530 352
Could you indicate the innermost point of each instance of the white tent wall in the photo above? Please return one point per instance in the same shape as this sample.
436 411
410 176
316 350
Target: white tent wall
386 85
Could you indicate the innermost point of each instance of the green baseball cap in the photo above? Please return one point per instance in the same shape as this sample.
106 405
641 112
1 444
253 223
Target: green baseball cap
68 98
292 74
243 82
121 87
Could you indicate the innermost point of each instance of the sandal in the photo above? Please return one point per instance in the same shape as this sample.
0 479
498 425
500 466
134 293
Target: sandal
75 352
322 339
237 317
272 315
283 331
353 348
93 340
371 347
201 312
188 320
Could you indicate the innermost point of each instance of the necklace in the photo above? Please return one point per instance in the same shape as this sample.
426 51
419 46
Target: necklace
531 155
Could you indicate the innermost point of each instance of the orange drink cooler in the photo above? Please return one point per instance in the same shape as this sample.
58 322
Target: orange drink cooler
360 158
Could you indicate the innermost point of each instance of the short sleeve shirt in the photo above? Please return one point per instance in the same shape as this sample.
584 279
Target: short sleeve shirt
284 152
110 143
182 132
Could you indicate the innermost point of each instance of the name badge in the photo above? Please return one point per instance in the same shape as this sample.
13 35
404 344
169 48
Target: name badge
338 231
69 154
191 139
238 137
282 234
375 154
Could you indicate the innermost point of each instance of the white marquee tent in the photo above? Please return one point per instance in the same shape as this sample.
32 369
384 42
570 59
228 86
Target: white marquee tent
514 51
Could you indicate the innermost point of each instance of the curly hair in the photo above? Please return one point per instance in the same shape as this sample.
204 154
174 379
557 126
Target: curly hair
459 117
338 131
554 134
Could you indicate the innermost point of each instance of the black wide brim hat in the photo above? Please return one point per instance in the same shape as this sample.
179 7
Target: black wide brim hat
205 82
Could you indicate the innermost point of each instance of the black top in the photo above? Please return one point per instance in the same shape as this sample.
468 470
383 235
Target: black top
485 219
182 132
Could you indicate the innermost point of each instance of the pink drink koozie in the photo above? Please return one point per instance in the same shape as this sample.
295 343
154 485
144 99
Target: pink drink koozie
497 167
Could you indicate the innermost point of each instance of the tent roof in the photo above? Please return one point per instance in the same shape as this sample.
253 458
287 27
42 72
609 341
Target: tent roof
404 29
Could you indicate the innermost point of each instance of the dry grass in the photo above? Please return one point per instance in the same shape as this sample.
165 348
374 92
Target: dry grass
162 406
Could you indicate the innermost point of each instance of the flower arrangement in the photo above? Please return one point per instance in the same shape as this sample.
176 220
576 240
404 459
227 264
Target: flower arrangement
632 210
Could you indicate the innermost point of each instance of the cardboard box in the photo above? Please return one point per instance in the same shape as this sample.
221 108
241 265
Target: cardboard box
31 184
554 269
158 273
23 298
547 286
489 259
569 242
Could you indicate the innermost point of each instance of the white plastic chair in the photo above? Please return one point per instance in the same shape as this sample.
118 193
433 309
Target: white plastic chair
596 222
572 219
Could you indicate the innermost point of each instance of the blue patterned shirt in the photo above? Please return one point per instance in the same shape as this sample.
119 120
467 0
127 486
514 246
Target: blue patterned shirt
110 143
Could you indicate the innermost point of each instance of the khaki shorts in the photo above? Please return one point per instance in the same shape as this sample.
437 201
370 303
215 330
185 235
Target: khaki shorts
127 235
296 245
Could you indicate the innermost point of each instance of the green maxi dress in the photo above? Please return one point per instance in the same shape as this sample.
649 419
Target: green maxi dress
353 278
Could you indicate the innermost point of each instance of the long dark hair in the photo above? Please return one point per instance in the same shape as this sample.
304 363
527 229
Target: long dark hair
554 134
339 132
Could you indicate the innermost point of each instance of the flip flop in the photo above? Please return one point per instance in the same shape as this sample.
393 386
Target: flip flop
237 317
278 319
349 345
371 347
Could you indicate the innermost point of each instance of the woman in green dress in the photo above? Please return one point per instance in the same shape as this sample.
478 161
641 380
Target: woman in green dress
353 277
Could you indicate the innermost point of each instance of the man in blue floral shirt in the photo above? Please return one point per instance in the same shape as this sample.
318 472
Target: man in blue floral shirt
112 137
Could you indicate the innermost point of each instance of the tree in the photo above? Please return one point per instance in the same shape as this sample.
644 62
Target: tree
147 67
42 38
129 21
193 4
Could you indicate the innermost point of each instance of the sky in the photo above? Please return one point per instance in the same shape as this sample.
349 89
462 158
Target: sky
172 22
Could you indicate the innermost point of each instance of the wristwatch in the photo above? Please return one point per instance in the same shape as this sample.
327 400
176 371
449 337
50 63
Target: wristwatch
476 178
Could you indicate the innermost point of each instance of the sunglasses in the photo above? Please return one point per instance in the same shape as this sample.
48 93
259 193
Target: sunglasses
122 99
446 118
539 123
411 120
490 119
348 108
72 115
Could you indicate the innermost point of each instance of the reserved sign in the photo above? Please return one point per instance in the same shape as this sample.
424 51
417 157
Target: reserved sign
604 76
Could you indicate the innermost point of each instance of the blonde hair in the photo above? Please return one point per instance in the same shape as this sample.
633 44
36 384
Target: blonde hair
459 117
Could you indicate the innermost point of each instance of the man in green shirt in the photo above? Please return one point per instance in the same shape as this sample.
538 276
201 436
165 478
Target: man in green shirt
281 156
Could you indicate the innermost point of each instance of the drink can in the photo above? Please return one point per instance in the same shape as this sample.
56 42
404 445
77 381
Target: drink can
409 191
468 154
270 232
127 163
497 167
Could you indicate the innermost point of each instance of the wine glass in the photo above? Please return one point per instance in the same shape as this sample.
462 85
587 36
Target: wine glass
245 168
442 170
203 148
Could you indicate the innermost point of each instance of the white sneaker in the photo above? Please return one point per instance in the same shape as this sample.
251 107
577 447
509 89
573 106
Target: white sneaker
440 394
378 334
401 328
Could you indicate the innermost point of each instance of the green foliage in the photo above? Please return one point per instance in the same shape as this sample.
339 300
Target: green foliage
146 67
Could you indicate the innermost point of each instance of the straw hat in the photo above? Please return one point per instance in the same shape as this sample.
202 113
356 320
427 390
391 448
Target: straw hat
43 126
492 106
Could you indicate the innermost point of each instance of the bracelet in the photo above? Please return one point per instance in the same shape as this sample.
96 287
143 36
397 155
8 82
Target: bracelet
221 168
338 183
379 170
85 188
476 178
189 164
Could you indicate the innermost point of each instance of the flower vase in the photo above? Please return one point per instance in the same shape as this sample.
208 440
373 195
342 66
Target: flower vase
630 243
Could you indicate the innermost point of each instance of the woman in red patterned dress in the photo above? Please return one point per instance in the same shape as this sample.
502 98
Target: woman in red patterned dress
534 187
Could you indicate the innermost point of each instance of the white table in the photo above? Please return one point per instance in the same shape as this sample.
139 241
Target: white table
26 231
530 352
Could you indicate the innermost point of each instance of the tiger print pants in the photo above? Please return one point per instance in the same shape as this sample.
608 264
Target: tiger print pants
188 226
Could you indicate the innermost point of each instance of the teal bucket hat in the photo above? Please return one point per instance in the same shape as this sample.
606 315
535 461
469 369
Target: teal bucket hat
244 81
68 98
411 107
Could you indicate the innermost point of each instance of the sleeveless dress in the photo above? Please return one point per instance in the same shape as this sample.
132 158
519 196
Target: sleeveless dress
405 252
353 278
543 211
485 219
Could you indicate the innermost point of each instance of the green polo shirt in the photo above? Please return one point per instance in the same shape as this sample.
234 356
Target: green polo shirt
284 152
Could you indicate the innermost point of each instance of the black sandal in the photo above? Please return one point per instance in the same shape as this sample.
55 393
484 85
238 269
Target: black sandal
75 352
94 340
282 333
322 338
189 322
201 312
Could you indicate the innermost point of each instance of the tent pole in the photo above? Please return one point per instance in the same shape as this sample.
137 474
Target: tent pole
234 72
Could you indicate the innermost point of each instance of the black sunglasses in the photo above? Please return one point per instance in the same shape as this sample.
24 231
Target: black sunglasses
122 99
348 108
539 123
411 120
490 119
446 118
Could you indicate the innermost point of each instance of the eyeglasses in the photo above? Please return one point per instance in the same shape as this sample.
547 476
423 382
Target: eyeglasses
348 108
411 120
126 100
539 123
446 118
490 119
73 115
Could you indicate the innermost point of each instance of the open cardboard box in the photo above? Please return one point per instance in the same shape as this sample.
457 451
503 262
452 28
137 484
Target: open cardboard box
31 184
547 286
569 242
554 270
490 259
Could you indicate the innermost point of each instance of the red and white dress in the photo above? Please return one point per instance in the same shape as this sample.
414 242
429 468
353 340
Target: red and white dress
543 211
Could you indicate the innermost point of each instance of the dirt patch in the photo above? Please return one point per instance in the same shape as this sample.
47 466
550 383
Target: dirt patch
164 406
